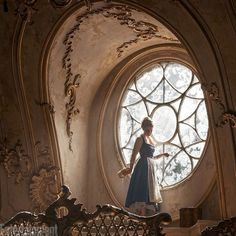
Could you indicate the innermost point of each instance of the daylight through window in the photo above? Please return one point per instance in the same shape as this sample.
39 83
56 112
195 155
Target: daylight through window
170 93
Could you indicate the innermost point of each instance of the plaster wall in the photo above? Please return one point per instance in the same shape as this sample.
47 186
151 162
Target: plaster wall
32 82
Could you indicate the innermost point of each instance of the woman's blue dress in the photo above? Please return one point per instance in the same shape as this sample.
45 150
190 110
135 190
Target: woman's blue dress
138 188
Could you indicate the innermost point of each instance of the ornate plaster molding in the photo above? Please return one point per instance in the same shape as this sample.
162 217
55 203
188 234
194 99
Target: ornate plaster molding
41 151
44 188
15 161
144 30
60 3
231 8
64 3
123 14
213 92
48 105
226 117
25 9
43 155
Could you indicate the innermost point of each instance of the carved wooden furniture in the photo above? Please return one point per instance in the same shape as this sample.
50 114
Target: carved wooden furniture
225 227
64 217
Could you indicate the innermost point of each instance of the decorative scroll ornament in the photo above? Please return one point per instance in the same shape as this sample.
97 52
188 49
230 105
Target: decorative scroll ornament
41 151
25 8
226 116
66 217
144 30
60 3
46 104
70 91
43 154
15 161
229 118
43 188
233 6
123 14
213 93
64 3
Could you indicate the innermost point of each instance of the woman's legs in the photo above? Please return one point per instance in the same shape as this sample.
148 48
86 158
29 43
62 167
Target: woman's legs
139 208
143 211
157 207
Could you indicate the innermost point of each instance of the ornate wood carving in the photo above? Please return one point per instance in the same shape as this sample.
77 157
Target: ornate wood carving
15 161
122 13
43 188
66 217
226 227
226 116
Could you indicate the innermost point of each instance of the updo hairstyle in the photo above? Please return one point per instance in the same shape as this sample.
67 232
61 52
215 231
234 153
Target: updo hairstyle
146 122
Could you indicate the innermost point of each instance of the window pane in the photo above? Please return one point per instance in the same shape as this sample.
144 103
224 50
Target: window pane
195 150
164 120
188 107
188 135
202 121
170 93
125 127
179 76
158 94
149 80
138 111
179 168
132 97
195 91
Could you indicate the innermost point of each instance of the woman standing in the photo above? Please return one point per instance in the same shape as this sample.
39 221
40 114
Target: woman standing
143 189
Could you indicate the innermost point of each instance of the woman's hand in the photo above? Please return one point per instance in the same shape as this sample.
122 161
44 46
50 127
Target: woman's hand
161 155
122 173
166 154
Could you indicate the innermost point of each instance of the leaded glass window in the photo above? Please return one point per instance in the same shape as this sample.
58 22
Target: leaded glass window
169 93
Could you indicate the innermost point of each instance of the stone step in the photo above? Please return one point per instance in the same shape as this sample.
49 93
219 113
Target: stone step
194 230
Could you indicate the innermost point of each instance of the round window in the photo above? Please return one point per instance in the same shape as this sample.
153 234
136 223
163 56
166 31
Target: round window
171 95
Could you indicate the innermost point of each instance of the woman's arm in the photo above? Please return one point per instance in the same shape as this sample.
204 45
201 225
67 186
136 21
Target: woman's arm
128 170
160 155
137 146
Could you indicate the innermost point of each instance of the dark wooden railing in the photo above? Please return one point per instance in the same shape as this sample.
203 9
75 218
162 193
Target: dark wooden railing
63 218
225 227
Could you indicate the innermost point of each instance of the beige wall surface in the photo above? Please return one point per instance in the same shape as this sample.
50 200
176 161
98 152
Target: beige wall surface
63 70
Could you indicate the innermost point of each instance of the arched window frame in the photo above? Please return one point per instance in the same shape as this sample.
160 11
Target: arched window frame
165 55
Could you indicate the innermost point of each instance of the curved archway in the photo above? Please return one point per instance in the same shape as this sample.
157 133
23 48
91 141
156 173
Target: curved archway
92 103
176 197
